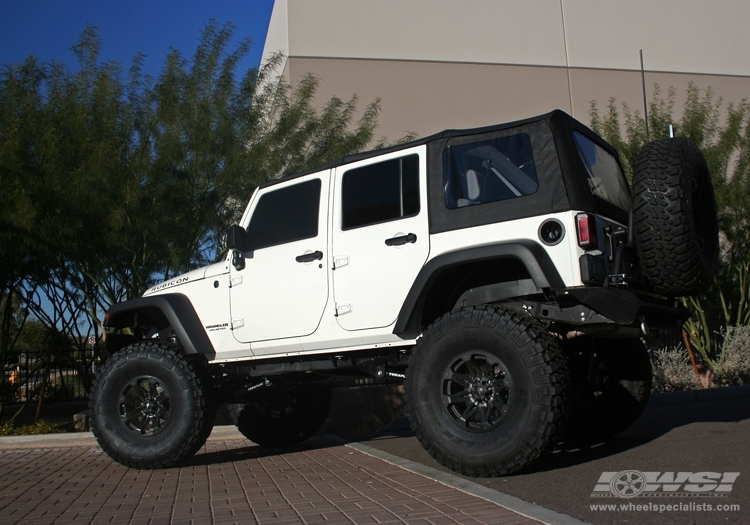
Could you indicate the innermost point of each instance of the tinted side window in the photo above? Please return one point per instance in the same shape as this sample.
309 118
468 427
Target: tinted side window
489 171
285 215
380 192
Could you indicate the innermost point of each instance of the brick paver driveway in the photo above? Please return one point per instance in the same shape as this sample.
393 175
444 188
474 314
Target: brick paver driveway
232 482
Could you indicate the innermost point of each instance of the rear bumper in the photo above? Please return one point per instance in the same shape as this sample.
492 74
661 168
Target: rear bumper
607 311
626 308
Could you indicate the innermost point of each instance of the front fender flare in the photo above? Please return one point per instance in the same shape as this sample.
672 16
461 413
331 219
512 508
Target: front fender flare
176 312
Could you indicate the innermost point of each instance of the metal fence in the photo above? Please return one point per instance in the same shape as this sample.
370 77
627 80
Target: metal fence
30 375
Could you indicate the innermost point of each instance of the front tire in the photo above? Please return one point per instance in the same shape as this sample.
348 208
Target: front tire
284 415
487 391
151 406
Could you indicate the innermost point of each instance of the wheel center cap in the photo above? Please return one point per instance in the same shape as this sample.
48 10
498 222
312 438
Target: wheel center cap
481 389
150 406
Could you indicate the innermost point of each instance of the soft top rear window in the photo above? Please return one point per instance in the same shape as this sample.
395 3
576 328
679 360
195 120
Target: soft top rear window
605 177
489 171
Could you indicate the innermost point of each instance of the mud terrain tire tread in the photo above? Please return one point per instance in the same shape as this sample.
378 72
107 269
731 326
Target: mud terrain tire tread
189 386
532 356
674 216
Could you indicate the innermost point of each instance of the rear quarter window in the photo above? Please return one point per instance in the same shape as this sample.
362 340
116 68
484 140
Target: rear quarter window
489 171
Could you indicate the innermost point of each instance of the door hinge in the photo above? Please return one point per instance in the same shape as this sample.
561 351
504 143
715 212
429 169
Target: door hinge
343 309
339 261
235 281
237 323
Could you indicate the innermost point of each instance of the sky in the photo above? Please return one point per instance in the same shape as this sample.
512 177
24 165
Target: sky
48 28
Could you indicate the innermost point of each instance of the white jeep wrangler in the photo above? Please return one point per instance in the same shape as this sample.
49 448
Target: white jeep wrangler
507 274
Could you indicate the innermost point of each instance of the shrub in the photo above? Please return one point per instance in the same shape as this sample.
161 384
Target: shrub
733 364
40 427
672 370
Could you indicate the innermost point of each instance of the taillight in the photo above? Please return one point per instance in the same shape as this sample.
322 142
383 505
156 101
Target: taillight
586 227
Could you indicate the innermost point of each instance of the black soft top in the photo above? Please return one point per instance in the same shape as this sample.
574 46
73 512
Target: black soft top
563 184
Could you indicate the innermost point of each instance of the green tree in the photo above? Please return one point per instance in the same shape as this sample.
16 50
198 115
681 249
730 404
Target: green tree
725 142
723 134
111 184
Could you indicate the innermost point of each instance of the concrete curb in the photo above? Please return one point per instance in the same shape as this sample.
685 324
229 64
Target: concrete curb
225 433
519 506
68 439
87 439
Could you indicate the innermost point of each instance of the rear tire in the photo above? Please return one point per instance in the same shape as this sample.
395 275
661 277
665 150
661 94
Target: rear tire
151 406
612 385
284 415
487 391
674 216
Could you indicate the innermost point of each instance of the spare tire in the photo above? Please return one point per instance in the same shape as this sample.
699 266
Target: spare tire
674 217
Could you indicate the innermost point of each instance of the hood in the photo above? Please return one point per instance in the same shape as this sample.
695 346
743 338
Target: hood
190 277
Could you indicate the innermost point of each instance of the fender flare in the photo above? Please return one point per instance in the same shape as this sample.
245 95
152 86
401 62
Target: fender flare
178 313
531 254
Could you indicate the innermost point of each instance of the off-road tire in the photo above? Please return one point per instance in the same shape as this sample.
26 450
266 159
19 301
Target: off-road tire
487 391
612 384
674 216
151 379
284 415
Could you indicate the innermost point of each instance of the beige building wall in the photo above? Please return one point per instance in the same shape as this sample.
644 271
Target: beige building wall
437 64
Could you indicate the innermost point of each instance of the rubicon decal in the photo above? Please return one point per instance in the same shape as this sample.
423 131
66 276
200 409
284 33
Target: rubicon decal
174 282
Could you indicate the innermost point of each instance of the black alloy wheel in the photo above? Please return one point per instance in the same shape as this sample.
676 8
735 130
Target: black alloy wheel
477 391
145 406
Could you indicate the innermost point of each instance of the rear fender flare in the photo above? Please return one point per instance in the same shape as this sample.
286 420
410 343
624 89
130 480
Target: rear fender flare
532 255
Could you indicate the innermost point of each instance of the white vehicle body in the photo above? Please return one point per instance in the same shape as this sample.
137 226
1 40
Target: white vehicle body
350 298
503 274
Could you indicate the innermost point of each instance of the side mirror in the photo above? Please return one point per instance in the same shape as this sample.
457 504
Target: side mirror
238 260
236 237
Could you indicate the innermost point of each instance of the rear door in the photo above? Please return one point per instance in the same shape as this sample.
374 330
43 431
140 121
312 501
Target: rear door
380 236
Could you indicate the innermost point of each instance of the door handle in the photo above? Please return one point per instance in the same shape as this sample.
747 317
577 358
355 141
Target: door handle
309 257
401 240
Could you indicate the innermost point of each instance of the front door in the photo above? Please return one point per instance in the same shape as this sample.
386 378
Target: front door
380 236
283 288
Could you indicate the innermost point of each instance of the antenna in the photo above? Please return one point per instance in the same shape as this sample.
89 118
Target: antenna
645 105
